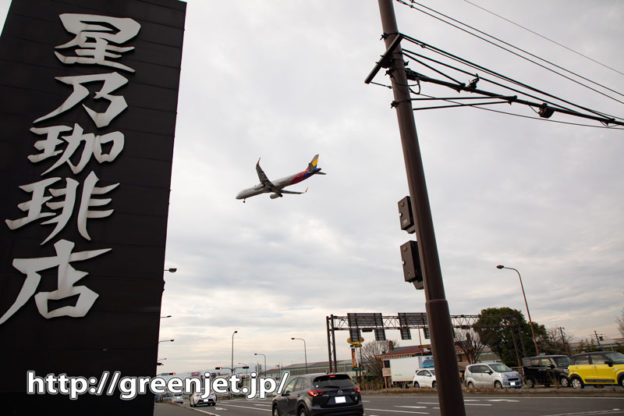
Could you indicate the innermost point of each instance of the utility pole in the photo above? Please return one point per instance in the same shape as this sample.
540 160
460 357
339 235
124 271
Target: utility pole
598 338
449 388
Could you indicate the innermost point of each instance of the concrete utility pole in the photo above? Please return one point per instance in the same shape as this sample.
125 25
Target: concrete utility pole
442 344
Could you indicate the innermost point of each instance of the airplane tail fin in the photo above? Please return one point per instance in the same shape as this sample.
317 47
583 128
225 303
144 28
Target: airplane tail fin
312 166
313 163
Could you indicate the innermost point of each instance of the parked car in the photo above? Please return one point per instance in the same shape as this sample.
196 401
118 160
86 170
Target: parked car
425 378
492 374
319 394
196 399
546 370
597 368
172 398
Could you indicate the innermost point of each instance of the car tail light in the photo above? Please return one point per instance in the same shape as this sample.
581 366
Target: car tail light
357 389
315 393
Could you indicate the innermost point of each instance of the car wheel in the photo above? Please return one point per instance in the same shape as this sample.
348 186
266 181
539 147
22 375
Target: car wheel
621 381
433 385
498 385
470 385
416 385
530 383
564 382
577 383
303 411
275 411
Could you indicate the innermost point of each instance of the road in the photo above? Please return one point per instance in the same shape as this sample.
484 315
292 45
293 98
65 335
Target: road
427 404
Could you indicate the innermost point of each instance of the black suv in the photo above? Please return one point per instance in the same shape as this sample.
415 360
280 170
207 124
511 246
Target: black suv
546 369
319 394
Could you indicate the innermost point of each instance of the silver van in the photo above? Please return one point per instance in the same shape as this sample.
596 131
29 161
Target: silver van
493 374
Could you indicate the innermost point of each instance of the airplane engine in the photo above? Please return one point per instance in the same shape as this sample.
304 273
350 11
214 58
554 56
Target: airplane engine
273 196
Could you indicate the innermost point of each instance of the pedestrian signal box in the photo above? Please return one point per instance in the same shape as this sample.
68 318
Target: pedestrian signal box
411 264
406 216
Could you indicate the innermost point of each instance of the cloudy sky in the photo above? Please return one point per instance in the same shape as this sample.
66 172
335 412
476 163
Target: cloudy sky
283 80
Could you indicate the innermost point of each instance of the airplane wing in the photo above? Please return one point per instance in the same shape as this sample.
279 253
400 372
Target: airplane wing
283 191
264 180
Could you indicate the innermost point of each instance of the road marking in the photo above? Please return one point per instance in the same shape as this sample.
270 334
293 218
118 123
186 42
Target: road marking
248 407
413 407
504 400
204 411
397 411
590 412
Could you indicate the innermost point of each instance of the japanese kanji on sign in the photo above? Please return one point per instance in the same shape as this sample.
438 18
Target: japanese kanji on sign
88 121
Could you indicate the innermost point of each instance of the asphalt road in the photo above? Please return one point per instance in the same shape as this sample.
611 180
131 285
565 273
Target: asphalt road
427 404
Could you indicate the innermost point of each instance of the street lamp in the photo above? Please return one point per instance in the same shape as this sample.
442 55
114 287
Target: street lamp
255 353
164 317
232 362
500 267
171 270
166 340
305 352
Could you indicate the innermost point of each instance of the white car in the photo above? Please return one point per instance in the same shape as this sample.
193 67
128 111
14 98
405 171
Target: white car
197 399
492 374
425 378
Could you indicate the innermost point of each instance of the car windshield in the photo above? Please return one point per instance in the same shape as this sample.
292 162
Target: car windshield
616 357
500 368
337 381
562 362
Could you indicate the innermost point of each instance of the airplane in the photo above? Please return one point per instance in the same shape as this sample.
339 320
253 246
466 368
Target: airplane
276 188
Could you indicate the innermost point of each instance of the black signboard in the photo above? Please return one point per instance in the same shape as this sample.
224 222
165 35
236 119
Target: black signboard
89 93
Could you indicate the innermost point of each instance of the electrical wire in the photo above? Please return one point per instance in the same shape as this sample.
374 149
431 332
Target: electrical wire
404 2
408 54
491 72
529 117
545 37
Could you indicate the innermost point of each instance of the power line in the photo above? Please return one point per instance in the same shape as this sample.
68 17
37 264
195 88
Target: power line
503 77
459 86
518 115
544 37
412 6
544 108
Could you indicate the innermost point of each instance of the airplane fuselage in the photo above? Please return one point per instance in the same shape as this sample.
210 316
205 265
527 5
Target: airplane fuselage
279 184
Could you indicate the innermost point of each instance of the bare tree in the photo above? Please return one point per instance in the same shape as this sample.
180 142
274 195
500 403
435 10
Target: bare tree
468 340
370 355
620 322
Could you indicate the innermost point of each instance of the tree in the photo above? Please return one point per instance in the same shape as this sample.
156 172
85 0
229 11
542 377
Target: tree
620 322
508 334
469 341
555 342
370 353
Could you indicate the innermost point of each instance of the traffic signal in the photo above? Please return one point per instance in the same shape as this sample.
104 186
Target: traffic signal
411 264
406 216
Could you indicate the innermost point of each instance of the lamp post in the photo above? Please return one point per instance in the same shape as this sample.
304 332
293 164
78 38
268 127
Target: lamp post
255 353
305 352
166 340
166 316
171 270
500 267
232 362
